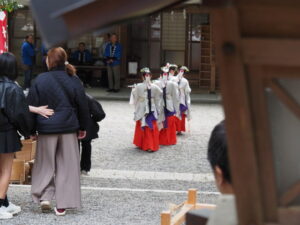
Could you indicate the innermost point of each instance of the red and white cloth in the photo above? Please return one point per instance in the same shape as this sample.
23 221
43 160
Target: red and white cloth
3 32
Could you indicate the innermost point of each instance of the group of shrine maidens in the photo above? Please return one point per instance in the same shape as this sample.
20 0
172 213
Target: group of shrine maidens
161 107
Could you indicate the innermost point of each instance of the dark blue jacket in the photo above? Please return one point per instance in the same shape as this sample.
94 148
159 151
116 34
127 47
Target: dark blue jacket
65 95
28 53
87 57
117 54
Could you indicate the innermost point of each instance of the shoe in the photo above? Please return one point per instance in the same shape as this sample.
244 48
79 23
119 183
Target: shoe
4 215
13 209
116 90
84 172
110 90
45 206
60 212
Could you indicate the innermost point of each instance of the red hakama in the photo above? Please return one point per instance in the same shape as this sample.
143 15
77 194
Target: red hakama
180 124
167 136
146 138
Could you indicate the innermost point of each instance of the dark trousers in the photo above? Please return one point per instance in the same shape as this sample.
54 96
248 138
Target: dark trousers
27 76
86 154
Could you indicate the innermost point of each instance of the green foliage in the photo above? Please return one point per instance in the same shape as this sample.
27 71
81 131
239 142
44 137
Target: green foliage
9 5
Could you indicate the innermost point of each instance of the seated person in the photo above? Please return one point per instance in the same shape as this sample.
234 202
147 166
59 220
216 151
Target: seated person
225 212
83 57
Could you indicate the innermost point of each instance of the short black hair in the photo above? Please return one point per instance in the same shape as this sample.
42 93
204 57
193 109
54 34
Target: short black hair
108 35
8 66
28 35
81 43
217 150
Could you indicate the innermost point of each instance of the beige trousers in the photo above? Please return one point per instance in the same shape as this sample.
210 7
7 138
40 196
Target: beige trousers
56 171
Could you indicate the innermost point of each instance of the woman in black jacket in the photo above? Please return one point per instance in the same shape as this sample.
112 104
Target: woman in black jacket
56 171
14 119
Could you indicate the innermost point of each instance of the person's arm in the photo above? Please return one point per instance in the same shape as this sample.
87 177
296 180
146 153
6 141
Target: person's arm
118 53
17 111
42 110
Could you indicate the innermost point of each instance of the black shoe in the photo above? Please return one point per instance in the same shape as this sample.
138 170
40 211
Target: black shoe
116 90
110 90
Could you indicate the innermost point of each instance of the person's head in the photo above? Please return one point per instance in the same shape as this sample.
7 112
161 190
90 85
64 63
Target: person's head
81 46
172 69
165 73
114 38
57 58
29 38
8 66
218 158
146 74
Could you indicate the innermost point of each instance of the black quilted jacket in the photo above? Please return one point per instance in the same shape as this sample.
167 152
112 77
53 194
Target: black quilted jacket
66 96
14 111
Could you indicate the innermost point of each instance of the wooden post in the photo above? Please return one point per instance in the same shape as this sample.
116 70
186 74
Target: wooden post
166 218
192 197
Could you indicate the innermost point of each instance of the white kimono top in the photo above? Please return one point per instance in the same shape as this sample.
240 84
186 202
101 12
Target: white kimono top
140 99
172 97
225 212
184 94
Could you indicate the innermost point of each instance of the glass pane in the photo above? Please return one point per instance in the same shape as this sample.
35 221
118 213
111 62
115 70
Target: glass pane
139 28
176 57
155 26
195 56
197 20
155 55
140 53
23 23
174 31
285 130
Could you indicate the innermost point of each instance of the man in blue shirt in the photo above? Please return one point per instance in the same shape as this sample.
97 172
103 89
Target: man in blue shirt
28 57
113 53
82 57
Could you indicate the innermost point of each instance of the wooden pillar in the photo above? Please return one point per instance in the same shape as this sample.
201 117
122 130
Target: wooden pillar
239 120
166 218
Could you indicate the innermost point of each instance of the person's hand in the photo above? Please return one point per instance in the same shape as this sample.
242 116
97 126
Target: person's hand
44 111
81 134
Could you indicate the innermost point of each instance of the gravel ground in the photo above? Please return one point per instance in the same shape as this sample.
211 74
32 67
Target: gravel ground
108 201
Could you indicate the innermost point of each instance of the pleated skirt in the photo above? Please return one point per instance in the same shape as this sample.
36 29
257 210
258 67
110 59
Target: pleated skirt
146 138
10 142
180 123
167 136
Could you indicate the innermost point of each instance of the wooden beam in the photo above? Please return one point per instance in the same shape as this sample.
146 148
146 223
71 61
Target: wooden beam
165 218
285 98
239 120
103 13
256 78
292 193
179 218
279 52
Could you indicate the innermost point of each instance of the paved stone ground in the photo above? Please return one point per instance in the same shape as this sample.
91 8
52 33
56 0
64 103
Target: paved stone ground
129 186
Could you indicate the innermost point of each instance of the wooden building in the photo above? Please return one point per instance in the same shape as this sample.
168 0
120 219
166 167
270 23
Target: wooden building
180 35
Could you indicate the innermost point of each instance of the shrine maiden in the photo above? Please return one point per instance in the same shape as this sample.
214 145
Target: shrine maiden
170 103
185 99
146 97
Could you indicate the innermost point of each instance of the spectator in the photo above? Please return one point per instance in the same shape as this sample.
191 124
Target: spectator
96 115
28 58
83 57
217 156
106 41
56 168
113 53
14 119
